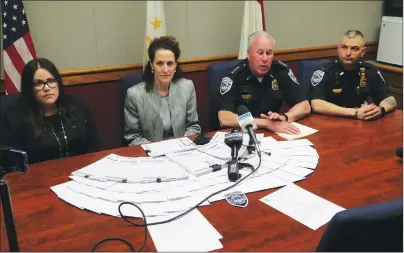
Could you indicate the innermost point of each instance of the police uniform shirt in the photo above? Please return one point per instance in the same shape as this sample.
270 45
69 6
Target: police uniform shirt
348 88
241 87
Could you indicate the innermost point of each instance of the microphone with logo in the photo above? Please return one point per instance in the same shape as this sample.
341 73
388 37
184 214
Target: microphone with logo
247 124
234 140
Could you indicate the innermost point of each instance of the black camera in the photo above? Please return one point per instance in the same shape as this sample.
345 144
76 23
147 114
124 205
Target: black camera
13 160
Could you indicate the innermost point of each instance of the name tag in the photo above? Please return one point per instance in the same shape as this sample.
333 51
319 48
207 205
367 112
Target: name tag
337 91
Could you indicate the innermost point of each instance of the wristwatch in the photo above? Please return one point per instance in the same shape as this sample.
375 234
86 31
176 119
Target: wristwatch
383 110
286 116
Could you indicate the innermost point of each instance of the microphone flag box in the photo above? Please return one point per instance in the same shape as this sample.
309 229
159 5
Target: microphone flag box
245 120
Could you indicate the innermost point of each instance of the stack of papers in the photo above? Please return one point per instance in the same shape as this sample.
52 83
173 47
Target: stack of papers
303 206
219 136
168 146
159 169
167 186
197 163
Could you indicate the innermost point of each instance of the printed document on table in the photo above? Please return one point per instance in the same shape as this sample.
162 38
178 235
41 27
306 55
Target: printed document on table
303 206
168 146
195 162
304 131
192 232
219 136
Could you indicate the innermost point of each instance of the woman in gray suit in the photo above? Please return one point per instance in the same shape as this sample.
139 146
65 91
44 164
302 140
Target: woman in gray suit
163 105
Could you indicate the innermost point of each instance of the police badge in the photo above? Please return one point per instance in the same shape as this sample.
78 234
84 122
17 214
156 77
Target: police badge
236 198
225 85
275 85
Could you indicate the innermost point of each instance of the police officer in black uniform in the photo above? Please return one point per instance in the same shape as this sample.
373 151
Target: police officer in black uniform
348 87
262 86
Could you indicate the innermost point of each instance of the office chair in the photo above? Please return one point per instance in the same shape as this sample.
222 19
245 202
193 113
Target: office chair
377 227
306 70
215 74
5 102
124 84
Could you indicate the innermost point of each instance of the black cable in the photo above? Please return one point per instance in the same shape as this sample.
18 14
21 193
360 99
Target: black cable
174 218
113 239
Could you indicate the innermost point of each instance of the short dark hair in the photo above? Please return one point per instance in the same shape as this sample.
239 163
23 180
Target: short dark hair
163 42
66 107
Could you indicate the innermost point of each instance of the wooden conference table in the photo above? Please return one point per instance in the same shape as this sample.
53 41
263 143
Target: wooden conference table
357 166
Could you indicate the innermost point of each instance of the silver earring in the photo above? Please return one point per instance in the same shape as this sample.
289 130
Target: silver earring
152 71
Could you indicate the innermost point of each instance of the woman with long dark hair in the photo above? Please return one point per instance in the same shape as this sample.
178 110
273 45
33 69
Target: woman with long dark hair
163 105
45 122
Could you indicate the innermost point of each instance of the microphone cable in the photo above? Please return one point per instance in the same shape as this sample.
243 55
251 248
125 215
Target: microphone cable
145 224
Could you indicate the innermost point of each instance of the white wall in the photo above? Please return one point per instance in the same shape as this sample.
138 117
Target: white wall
89 34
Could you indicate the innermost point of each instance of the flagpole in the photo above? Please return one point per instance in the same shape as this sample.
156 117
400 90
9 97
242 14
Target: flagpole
261 2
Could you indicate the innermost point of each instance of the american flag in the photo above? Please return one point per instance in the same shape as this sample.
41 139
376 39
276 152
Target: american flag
18 48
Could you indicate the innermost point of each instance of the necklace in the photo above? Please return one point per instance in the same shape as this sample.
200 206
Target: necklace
65 137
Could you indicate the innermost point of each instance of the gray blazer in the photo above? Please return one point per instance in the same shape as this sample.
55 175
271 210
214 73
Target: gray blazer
142 117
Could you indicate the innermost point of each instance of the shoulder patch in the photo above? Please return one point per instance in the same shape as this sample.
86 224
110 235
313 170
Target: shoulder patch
317 77
225 85
329 64
292 76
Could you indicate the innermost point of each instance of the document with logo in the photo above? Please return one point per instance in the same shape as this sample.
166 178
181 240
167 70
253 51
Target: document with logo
304 131
303 206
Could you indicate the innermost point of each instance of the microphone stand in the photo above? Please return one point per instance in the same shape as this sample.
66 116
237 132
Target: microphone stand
8 213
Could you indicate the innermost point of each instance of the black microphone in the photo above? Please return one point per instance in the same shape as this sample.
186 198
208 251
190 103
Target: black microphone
234 140
247 124
399 152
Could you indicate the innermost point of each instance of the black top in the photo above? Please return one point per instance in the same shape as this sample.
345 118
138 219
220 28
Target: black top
348 88
81 135
241 87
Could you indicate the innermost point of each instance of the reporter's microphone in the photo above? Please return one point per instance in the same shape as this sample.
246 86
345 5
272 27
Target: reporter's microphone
234 140
247 124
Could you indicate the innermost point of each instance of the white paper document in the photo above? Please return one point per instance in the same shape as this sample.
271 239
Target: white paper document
191 233
219 136
168 146
304 131
303 206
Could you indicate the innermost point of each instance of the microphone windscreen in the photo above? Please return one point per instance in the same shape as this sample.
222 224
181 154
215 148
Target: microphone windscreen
241 109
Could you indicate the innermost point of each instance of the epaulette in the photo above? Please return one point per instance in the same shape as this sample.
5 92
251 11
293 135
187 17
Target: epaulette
328 65
242 65
367 65
281 64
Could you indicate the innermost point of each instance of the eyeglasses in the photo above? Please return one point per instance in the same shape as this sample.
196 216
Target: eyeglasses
40 85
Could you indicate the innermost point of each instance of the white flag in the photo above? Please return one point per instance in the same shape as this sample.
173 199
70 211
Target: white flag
252 22
155 25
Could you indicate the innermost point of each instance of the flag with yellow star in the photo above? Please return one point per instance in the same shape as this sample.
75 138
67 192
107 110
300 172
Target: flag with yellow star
155 25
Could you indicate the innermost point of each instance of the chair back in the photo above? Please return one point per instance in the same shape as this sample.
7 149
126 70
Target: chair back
215 74
5 102
306 70
377 227
124 84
